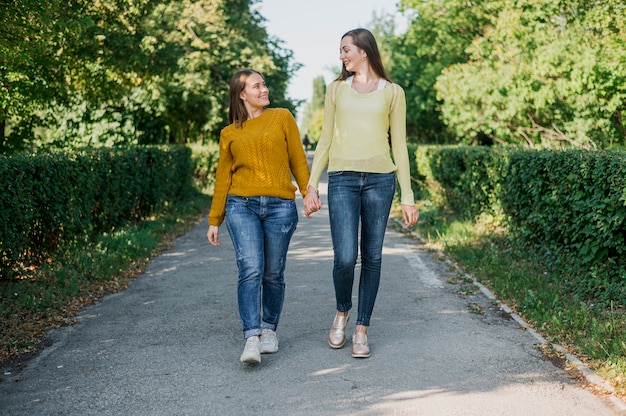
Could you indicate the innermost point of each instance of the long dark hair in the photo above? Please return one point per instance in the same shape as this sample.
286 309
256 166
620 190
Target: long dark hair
237 112
365 40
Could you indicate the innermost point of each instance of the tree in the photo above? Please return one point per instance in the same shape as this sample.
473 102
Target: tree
32 67
547 74
437 38
129 71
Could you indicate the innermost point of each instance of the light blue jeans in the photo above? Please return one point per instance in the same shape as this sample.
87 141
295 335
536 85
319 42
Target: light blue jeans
260 228
355 197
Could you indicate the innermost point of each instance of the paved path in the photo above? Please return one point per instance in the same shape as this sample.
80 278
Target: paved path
170 345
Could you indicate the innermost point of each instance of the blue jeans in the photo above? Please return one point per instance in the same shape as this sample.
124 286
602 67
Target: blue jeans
354 196
260 228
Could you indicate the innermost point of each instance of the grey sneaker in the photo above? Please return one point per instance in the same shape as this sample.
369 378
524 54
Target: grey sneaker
269 342
251 354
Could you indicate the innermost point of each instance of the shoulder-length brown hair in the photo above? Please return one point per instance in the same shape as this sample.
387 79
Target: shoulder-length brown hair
237 112
365 40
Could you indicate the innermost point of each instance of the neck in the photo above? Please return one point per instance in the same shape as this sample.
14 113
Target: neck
255 112
367 78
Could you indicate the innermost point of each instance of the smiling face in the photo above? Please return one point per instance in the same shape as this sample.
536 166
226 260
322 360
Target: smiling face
351 55
255 95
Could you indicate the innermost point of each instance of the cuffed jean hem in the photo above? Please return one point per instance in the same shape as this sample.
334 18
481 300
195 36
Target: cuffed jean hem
255 332
267 325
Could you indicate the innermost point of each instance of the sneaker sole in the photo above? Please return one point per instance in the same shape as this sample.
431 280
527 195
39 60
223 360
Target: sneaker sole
268 350
250 360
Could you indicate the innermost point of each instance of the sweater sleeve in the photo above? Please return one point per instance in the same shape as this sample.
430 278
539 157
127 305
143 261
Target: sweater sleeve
297 158
223 180
397 126
320 160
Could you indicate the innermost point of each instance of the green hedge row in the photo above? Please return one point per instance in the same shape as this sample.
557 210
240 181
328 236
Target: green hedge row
50 201
574 199
570 201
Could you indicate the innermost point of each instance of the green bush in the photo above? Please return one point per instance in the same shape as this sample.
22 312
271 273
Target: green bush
470 178
569 205
50 201
574 200
205 160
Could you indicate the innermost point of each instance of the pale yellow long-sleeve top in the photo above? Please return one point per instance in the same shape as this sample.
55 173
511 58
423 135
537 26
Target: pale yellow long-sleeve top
355 135
258 159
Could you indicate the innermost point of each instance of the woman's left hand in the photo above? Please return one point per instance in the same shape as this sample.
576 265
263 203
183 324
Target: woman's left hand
312 202
410 215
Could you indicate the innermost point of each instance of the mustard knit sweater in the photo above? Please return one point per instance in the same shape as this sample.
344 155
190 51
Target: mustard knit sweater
259 159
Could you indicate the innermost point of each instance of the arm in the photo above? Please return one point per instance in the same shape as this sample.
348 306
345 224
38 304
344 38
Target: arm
223 179
397 124
320 160
297 158
312 201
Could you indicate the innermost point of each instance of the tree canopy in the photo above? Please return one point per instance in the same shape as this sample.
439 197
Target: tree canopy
537 73
128 71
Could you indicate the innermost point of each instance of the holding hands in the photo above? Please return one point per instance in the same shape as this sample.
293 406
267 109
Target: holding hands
312 202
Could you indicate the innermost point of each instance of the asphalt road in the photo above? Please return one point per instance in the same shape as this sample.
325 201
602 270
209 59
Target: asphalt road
170 343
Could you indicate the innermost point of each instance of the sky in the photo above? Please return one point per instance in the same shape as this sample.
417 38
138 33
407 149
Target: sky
312 29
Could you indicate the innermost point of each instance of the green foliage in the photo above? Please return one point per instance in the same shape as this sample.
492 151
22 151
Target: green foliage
572 201
120 72
50 202
538 76
437 38
471 178
537 73
204 161
568 205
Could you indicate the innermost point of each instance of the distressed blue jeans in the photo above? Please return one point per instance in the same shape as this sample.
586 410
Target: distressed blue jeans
260 228
355 197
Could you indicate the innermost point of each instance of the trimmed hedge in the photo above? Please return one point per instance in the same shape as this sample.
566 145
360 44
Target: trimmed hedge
50 201
574 200
571 201
470 179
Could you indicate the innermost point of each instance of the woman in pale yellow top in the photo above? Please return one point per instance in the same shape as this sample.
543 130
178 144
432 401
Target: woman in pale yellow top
364 115
259 152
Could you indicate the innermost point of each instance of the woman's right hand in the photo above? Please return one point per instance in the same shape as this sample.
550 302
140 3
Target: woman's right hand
312 201
212 235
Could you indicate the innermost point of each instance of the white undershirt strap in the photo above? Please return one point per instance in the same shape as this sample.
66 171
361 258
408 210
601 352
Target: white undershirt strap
381 82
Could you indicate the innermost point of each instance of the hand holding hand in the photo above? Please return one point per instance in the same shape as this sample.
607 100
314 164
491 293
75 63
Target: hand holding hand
312 202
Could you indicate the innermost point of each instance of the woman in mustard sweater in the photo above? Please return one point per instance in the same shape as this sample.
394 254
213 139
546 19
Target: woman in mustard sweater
259 152
364 114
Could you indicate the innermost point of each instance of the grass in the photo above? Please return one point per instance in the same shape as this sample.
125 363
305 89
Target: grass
50 296
536 287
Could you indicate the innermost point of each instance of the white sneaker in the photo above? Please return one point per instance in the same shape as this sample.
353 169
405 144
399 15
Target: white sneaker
269 342
251 354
